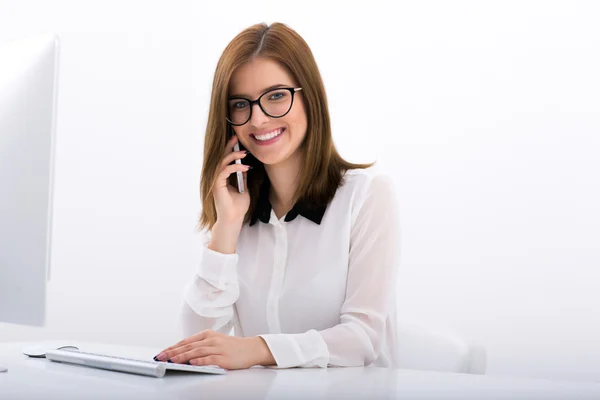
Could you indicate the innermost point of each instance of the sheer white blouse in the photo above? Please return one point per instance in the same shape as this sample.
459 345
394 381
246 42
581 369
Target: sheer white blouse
318 287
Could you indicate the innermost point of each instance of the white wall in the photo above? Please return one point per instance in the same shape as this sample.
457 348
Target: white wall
486 113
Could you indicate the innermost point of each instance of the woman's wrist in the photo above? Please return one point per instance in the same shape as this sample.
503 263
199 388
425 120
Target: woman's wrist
263 353
224 237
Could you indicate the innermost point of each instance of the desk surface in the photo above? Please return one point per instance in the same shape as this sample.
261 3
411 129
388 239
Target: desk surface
29 378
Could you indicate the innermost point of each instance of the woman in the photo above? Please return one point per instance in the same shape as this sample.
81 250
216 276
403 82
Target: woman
302 265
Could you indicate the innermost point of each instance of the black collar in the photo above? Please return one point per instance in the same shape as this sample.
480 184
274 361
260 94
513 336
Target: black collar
312 212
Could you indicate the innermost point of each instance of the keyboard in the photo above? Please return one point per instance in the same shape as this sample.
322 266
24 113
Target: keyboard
157 369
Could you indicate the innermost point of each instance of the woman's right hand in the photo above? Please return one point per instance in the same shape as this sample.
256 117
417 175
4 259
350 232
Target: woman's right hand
231 206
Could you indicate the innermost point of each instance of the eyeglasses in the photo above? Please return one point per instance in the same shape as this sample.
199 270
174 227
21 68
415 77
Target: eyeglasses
275 103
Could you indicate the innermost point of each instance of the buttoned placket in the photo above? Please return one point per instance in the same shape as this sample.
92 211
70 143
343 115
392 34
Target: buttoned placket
280 259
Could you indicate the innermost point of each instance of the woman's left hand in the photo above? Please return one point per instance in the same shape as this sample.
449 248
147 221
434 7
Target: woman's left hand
214 348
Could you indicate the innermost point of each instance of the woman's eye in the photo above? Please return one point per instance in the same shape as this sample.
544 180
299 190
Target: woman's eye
276 96
240 105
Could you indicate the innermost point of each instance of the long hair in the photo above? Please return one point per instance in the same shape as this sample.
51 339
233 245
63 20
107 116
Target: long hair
322 166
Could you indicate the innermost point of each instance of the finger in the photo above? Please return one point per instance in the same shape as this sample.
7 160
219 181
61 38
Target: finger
197 337
208 360
236 155
177 345
174 352
230 169
230 143
211 342
171 352
191 339
198 352
204 339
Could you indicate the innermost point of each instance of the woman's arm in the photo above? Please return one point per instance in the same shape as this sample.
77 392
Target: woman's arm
373 263
210 296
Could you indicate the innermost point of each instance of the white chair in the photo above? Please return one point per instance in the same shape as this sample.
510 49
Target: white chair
426 349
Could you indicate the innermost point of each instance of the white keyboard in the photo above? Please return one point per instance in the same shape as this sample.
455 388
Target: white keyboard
156 369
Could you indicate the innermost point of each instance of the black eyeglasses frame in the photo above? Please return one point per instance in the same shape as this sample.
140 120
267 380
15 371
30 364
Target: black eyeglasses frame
257 101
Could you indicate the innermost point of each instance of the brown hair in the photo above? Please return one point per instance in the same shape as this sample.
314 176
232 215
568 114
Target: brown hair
322 166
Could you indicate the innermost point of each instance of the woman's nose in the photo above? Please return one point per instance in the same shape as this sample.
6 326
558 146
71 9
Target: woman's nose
258 116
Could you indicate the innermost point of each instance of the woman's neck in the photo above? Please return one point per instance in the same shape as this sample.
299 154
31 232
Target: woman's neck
284 178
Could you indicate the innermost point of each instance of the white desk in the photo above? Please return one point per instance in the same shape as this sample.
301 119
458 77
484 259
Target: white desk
42 379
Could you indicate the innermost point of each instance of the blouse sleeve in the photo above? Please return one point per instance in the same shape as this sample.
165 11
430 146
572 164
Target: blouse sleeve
210 296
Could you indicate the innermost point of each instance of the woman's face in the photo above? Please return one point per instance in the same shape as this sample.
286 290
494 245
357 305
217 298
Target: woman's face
270 140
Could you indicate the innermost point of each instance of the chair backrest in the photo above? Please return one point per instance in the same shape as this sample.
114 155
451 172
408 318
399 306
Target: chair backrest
427 349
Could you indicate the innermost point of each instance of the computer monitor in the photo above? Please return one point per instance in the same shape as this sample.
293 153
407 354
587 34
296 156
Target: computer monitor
28 98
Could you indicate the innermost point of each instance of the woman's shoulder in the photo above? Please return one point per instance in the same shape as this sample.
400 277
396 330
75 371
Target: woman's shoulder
365 180
371 191
368 187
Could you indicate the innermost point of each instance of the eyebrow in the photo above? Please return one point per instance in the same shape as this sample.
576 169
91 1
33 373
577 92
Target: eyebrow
245 96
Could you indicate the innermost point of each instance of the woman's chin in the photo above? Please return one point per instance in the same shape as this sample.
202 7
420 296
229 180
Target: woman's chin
269 162
276 157
270 159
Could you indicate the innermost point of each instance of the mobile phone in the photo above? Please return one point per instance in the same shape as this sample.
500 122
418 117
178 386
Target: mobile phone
240 177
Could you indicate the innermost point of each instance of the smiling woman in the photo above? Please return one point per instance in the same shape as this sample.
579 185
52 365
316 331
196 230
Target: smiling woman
303 264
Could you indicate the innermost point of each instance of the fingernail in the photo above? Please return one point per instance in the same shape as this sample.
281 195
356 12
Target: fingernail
155 358
250 167
246 152
161 357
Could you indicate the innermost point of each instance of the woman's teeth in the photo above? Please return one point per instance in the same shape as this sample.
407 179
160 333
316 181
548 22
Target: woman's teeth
269 136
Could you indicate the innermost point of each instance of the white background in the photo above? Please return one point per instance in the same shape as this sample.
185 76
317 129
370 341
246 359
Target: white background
486 113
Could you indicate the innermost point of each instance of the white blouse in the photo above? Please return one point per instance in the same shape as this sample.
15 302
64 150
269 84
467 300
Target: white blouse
320 290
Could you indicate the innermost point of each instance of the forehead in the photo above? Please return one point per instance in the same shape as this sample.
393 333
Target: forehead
252 78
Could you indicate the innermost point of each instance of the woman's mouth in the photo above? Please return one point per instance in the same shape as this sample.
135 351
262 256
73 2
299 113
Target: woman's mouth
268 137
